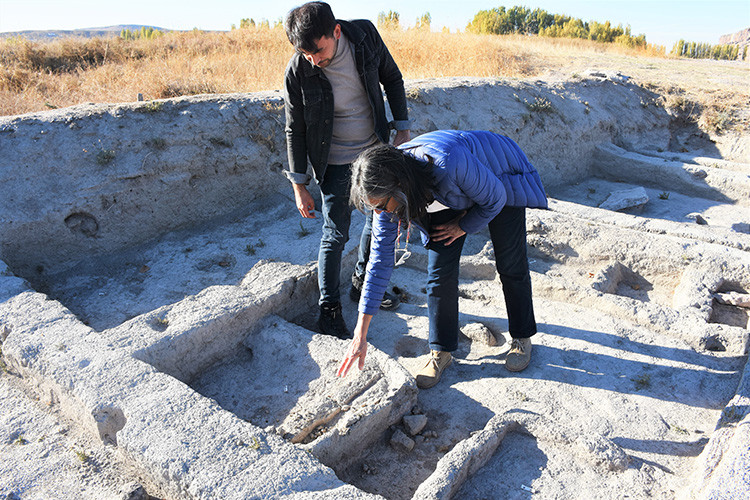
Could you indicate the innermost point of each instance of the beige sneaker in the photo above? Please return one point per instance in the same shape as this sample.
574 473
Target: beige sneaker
436 364
519 355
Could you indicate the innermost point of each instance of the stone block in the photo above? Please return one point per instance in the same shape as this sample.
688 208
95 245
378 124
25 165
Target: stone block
477 332
414 423
402 442
625 199
287 379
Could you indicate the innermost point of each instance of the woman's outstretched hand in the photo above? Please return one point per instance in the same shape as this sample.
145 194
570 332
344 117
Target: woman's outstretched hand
358 348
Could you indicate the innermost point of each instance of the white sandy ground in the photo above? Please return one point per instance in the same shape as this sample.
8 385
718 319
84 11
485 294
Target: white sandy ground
628 365
44 456
652 394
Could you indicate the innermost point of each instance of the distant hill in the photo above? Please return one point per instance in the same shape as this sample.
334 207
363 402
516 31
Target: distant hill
107 31
741 39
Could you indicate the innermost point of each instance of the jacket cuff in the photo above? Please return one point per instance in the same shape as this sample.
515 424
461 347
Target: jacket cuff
297 178
400 124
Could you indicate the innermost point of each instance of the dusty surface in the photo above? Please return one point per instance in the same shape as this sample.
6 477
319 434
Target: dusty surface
46 456
141 359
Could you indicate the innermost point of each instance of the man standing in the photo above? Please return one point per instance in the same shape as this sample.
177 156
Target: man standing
334 110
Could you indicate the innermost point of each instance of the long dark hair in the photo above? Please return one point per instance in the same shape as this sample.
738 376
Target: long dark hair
384 171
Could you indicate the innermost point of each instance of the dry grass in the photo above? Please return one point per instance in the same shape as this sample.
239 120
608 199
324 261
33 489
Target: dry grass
39 76
114 70
423 54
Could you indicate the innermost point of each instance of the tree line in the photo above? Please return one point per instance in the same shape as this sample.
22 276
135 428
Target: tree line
145 33
707 51
392 21
522 20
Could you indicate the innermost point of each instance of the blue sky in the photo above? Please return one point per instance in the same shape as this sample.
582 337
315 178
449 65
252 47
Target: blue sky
662 21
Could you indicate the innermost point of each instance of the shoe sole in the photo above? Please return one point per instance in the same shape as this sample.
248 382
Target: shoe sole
433 384
391 307
516 370
320 331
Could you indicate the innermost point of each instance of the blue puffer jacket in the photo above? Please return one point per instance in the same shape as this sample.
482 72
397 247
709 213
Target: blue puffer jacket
477 171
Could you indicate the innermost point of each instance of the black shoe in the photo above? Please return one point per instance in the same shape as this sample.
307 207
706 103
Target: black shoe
389 303
331 322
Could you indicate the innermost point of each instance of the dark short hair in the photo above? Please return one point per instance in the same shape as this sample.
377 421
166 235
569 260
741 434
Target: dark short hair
384 171
309 22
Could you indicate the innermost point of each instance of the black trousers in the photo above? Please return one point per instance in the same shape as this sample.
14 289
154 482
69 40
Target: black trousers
508 234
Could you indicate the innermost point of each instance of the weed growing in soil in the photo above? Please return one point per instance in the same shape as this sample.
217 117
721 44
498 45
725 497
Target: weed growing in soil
303 231
152 107
539 105
82 456
161 321
678 429
3 367
731 415
250 248
105 156
642 381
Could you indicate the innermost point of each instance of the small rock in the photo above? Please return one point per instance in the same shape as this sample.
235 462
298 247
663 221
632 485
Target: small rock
535 225
133 491
416 410
733 299
626 198
414 423
477 332
698 218
369 470
603 453
402 442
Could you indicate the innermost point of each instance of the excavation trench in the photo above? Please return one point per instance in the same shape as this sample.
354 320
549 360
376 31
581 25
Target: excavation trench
191 276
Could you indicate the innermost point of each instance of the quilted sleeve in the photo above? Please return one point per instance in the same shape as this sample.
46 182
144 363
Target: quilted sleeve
380 263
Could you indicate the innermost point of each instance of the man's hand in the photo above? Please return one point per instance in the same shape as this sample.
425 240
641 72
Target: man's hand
304 201
358 348
402 136
448 232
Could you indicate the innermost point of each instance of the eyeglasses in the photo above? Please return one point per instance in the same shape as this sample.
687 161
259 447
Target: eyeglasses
383 207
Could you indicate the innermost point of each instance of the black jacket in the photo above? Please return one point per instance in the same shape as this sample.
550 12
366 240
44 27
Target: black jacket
308 99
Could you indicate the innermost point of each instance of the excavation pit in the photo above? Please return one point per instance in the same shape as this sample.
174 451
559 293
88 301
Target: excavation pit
285 382
184 288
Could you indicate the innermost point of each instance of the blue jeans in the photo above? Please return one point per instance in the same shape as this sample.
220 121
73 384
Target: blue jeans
337 214
508 234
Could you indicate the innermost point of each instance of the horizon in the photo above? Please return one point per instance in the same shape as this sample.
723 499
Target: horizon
663 22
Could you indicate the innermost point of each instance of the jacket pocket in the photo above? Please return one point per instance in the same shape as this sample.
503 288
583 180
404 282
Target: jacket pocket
312 100
311 97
